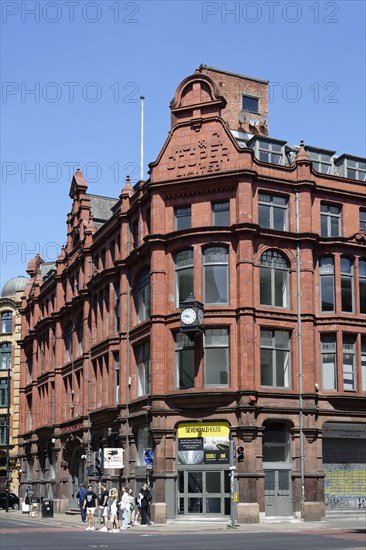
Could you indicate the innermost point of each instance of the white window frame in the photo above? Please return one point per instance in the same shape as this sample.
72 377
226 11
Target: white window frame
328 212
328 347
268 341
349 374
206 264
268 200
221 341
274 266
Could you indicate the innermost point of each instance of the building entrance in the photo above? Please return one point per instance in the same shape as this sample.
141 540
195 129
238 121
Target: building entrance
203 492
277 492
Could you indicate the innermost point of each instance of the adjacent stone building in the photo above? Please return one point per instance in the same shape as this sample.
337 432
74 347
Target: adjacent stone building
270 238
10 334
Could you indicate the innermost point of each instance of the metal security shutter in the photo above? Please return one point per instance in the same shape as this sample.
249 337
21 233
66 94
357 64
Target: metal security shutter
345 473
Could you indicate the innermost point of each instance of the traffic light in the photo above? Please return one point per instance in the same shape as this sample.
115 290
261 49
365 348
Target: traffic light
98 461
239 453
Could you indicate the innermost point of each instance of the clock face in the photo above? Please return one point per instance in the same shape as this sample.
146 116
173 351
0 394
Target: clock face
200 316
188 316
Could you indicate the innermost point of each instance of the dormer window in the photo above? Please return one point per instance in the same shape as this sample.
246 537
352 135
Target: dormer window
268 150
351 167
321 160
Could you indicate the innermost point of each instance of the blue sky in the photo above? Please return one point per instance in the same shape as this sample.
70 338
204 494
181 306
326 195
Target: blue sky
88 63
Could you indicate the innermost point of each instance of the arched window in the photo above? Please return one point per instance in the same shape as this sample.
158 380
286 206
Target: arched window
326 272
6 322
143 296
68 341
274 279
5 356
183 275
215 275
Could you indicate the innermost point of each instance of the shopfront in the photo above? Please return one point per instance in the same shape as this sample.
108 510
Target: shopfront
203 482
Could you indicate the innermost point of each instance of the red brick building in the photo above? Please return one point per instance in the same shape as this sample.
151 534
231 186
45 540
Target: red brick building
270 238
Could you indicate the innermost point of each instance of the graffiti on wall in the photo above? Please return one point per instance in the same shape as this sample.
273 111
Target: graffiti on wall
345 485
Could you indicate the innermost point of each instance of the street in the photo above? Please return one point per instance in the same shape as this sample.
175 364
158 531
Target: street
18 533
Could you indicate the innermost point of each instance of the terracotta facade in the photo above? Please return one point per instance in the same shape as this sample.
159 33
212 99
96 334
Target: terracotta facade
104 362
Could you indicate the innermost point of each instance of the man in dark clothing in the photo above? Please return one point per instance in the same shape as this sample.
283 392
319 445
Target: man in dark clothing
90 504
80 495
103 506
145 500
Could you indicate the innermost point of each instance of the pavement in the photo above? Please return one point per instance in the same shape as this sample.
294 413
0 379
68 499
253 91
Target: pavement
197 525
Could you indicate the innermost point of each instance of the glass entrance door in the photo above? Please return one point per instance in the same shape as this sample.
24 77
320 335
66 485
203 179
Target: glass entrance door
203 492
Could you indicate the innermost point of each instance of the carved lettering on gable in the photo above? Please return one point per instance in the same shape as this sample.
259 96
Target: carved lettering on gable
203 158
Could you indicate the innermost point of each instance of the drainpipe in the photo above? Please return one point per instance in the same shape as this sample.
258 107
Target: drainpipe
299 353
128 359
88 452
7 487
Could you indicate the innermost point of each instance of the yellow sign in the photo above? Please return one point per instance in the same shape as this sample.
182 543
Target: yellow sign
203 442
236 497
204 429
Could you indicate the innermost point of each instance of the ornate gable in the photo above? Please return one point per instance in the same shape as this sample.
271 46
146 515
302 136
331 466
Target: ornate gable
200 143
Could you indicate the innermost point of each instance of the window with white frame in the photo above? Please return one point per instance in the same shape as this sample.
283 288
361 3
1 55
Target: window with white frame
349 362
216 354
275 349
221 213
143 296
183 275
270 152
362 285
347 284
330 220
4 392
274 279
5 356
80 336
215 275
183 218
363 219
326 274
272 211
184 361
355 169
68 341
142 354
322 162
116 377
328 348
6 322
116 307
363 362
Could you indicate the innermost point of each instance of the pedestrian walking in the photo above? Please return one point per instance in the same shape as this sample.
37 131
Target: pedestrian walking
80 495
103 506
90 505
113 507
126 502
145 499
